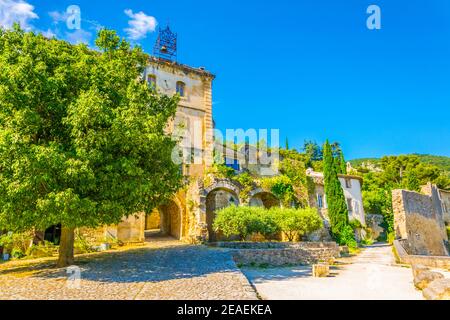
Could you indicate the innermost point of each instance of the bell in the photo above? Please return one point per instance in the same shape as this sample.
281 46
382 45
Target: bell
164 49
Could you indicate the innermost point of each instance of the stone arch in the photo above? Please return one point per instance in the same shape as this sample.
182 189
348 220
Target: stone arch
168 218
221 194
263 198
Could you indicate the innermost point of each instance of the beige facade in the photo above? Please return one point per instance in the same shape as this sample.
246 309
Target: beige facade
193 127
351 185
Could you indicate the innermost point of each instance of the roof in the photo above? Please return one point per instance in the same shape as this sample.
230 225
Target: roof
188 69
319 175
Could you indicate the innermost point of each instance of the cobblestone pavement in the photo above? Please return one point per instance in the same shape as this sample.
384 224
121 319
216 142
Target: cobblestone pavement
160 270
371 275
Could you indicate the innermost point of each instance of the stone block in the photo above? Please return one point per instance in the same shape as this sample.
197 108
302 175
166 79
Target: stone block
321 270
418 268
437 290
344 251
424 278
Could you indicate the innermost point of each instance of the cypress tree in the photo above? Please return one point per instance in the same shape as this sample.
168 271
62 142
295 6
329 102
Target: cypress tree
337 206
342 163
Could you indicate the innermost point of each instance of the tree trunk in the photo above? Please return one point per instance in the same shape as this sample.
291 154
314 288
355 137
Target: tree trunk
66 247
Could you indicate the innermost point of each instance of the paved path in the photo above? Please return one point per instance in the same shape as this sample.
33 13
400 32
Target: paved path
161 270
371 275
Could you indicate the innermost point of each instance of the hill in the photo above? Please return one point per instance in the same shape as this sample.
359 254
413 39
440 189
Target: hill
441 162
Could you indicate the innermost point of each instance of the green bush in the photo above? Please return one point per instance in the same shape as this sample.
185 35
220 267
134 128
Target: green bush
355 224
45 249
347 237
448 232
297 222
81 245
16 243
245 221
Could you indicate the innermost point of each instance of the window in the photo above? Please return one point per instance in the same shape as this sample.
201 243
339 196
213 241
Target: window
320 201
181 88
232 163
151 79
348 183
349 205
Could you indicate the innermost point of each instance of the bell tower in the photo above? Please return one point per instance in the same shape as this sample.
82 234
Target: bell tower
166 45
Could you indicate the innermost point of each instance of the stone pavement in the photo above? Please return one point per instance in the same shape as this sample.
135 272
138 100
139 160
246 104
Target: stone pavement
371 275
160 270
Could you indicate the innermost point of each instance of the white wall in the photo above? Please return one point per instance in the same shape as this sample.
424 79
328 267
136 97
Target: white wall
355 193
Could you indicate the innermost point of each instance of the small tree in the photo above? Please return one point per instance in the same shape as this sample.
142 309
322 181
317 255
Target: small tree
82 136
297 222
233 221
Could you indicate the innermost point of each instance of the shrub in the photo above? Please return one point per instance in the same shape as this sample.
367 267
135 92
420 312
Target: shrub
45 249
245 221
16 243
347 237
448 232
297 222
81 245
355 224
233 221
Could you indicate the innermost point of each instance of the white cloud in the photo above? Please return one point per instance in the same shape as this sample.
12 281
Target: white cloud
139 25
58 16
79 36
48 34
16 11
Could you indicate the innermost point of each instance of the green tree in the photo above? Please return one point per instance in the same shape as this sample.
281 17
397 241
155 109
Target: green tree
82 137
341 165
295 223
313 152
411 181
337 206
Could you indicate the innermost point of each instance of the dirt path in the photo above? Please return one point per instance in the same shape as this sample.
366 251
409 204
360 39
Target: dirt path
371 275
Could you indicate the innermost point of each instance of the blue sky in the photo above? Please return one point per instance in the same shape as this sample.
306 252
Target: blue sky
309 68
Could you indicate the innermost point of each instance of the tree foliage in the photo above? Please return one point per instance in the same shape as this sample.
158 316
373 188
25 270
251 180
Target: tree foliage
244 221
82 139
336 202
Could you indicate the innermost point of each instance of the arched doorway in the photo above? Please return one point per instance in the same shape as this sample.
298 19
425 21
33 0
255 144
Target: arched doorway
264 199
164 221
215 200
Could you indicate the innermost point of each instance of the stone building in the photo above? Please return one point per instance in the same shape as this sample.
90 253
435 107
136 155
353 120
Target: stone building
194 125
351 186
190 214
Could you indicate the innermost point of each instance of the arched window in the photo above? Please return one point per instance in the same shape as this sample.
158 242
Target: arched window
151 79
181 88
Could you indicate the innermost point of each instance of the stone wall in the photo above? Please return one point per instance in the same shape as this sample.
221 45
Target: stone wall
285 254
442 262
419 223
445 198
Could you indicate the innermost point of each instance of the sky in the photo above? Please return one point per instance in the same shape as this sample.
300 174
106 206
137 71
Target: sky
310 68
